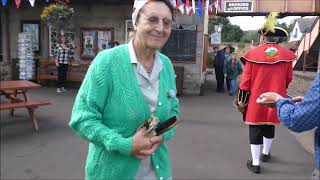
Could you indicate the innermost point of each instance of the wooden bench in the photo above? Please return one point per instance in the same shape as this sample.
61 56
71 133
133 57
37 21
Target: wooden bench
48 71
54 77
30 105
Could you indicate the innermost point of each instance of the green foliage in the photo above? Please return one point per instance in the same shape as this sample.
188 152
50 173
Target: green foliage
230 33
242 49
248 36
287 28
209 61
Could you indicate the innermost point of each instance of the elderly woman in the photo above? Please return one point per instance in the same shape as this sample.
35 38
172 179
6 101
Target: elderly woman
123 87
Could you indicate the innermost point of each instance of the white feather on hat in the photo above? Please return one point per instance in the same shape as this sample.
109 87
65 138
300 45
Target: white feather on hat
138 4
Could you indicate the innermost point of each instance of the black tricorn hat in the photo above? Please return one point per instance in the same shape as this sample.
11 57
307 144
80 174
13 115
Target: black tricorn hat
278 32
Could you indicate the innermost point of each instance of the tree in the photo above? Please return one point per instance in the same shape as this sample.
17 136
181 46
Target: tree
250 36
288 28
230 33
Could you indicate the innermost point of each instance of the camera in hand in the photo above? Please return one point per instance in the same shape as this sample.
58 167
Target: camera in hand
154 127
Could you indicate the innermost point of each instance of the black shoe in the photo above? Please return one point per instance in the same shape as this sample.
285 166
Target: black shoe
254 169
265 158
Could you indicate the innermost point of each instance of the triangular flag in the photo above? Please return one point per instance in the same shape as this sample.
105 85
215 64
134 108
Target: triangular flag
18 2
216 6
220 4
4 2
210 6
202 5
194 6
199 8
32 2
47 1
67 1
188 7
180 6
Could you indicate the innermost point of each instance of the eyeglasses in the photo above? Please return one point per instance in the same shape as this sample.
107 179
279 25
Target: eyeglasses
154 21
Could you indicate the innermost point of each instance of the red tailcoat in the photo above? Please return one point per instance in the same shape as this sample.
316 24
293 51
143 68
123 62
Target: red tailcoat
268 67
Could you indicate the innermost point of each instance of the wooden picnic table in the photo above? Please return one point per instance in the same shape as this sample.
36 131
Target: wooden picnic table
11 89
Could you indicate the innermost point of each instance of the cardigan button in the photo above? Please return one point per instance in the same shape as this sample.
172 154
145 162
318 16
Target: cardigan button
157 167
161 178
160 103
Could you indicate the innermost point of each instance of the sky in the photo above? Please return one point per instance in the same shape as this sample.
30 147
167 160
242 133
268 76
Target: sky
253 23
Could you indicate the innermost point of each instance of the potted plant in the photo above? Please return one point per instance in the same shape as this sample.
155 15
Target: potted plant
58 15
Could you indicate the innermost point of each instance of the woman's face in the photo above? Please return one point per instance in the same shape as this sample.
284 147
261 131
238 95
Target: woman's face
63 39
154 25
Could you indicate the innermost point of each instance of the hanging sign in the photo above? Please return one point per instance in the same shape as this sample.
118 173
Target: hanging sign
215 38
238 6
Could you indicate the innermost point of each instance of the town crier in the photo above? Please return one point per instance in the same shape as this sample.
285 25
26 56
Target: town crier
267 67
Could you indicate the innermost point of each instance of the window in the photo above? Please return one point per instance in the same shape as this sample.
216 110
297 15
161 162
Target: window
182 44
54 36
32 27
94 40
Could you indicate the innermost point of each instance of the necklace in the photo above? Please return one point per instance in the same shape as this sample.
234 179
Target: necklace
148 68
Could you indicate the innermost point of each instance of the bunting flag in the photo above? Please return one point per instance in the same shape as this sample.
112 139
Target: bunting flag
194 6
67 1
18 2
32 2
47 1
199 7
188 7
216 6
220 5
203 4
4 2
180 6
210 7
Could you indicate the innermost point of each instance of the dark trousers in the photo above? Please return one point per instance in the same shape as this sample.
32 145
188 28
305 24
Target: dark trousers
219 78
62 75
257 132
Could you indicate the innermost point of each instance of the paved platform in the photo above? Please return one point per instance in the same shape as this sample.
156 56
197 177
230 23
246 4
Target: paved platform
210 143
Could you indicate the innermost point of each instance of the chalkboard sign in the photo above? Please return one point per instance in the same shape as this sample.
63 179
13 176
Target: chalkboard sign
181 45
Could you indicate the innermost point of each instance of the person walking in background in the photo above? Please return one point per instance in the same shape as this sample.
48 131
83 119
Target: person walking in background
219 67
124 87
299 114
63 57
233 69
268 67
213 54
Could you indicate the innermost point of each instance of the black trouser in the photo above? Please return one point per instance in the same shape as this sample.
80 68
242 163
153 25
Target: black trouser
219 78
257 132
62 75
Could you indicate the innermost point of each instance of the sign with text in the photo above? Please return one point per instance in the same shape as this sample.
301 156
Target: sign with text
215 38
238 6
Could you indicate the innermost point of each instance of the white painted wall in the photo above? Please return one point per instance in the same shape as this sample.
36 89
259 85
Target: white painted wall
295 34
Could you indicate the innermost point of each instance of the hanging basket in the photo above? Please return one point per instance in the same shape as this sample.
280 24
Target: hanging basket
58 15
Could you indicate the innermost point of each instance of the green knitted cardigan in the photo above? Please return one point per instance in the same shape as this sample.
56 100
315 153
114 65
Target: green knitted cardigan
109 108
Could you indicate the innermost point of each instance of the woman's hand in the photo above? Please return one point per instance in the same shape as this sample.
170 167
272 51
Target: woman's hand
57 64
269 99
144 146
156 141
